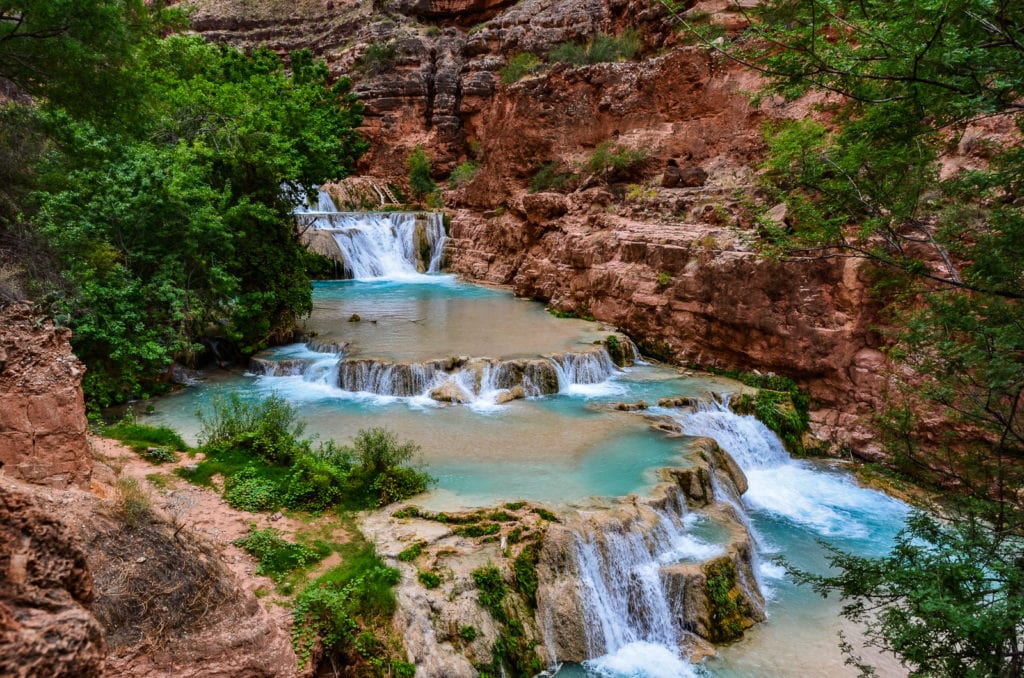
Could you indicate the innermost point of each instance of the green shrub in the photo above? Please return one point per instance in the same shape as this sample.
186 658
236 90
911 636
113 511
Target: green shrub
158 455
491 590
429 579
468 633
420 182
602 48
463 174
380 57
319 479
664 278
615 161
249 490
380 476
519 66
277 557
546 515
412 553
267 428
550 176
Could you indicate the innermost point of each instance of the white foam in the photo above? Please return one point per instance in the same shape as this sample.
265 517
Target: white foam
641 660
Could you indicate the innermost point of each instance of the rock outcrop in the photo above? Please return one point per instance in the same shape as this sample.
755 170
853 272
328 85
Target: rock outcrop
46 589
668 258
42 416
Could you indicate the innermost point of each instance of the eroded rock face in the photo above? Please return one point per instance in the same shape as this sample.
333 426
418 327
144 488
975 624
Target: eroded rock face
46 628
42 411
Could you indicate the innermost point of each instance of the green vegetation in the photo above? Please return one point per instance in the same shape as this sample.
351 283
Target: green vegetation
519 66
140 436
550 176
412 553
134 506
268 429
278 557
380 57
149 184
947 255
615 161
664 278
727 611
463 174
778 411
468 633
512 652
601 48
524 571
342 607
257 448
419 166
429 580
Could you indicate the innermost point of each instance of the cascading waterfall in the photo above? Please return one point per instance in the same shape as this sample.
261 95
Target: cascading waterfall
383 378
377 245
575 369
628 613
824 501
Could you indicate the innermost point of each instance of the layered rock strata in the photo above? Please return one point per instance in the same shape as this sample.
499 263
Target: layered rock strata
42 415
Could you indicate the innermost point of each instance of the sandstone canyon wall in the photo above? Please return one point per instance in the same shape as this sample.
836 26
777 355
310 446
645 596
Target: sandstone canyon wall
675 267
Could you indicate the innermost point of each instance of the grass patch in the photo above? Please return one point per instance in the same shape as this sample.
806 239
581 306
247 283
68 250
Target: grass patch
550 176
601 48
519 66
277 556
463 174
412 553
429 580
141 436
134 505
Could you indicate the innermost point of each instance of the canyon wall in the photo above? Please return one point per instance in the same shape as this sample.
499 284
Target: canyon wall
42 411
667 253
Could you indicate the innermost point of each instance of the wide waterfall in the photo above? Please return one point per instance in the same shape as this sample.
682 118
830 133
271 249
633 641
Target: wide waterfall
827 502
375 245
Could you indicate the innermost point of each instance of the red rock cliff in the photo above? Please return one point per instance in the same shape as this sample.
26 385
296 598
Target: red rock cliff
42 412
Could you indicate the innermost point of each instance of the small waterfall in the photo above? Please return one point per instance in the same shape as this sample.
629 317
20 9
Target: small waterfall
380 244
749 441
383 378
592 367
627 608
824 501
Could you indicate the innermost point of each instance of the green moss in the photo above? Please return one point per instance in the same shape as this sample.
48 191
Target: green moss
412 553
727 608
429 580
468 633
546 515
524 569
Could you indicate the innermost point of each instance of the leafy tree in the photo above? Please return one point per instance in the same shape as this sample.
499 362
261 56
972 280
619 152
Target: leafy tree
420 182
949 254
185 228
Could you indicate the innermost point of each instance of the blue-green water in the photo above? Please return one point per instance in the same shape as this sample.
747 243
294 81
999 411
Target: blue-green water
568 447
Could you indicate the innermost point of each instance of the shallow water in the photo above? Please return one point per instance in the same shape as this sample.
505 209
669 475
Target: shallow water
438 316
557 449
565 448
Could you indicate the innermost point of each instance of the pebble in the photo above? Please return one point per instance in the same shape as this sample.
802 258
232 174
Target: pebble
140 559
276 516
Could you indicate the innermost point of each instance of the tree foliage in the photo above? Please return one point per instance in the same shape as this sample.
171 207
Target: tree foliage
907 83
173 227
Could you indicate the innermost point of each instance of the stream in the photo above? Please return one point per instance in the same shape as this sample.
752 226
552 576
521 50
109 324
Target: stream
393 338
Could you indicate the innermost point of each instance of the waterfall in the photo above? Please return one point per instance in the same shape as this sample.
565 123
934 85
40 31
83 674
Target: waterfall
376 245
629 616
384 378
579 373
825 501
